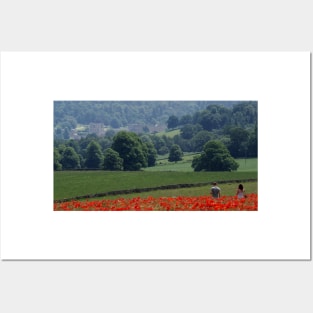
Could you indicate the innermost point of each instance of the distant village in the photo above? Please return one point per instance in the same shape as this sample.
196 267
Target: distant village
100 129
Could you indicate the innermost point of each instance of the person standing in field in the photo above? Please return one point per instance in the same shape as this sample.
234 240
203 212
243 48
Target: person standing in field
240 192
215 191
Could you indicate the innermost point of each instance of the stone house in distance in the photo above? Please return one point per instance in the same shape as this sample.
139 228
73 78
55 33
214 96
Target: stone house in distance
96 128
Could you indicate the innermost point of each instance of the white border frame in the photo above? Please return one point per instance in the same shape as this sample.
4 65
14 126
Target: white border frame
31 81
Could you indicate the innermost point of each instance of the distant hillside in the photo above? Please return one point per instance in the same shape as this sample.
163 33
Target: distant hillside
122 113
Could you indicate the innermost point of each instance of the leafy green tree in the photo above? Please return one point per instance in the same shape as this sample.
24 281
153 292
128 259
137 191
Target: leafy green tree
172 122
115 123
70 159
74 144
168 141
184 144
244 113
105 143
158 142
253 143
66 133
84 142
187 131
239 138
200 139
112 160
131 149
163 150
190 130
58 133
215 157
57 158
145 129
94 156
151 153
185 119
176 154
209 120
110 133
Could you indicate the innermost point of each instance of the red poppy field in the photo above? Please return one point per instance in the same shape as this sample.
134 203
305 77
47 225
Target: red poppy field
182 203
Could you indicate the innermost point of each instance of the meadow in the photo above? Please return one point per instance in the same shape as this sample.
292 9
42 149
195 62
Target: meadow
162 164
68 184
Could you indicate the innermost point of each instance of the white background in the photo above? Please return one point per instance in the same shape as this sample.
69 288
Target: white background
278 81
154 286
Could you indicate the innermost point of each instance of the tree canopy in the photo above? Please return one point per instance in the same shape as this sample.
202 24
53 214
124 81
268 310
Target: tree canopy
235 126
112 161
94 156
131 149
70 159
176 154
215 157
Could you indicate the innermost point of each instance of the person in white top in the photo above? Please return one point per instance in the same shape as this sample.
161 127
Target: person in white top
240 192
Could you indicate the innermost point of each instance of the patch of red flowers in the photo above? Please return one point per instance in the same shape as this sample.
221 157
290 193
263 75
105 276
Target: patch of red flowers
184 203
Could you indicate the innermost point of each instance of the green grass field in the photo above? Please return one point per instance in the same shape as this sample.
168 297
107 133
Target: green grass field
245 165
69 184
227 189
170 133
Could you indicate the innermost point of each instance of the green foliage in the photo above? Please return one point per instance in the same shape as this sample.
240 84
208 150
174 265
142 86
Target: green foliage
200 139
112 161
115 123
244 113
161 143
122 112
131 149
189 130
172 122
185 119
110 133
70 159
234 125
57 166
151 154
215 157
239 138
163 150
76 183
94 156
176 154
253 143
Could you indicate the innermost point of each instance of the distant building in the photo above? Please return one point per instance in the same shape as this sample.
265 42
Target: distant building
96 128
136 128
157 128
140 128
74 135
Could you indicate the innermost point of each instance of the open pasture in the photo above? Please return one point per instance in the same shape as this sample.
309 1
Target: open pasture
227 189
68 184
245 165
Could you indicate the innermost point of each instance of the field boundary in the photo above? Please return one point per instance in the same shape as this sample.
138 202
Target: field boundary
139 190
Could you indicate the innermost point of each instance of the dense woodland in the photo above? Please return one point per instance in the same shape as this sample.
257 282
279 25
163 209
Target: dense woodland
122 113
229 128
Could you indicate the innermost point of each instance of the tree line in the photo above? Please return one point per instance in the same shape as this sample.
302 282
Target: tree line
125 151
230 131
116 114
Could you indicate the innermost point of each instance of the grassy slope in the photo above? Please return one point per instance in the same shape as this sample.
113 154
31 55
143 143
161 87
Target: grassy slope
170 133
